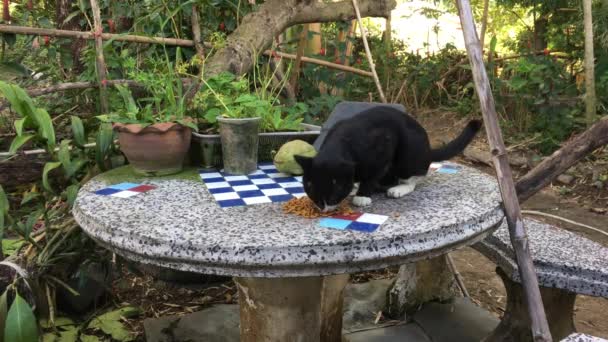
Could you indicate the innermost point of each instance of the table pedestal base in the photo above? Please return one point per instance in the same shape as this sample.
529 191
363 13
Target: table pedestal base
421 282
291 309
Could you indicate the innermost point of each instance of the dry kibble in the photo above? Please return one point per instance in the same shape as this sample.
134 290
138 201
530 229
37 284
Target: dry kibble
304 207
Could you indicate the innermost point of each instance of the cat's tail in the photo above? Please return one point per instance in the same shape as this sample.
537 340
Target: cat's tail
457 145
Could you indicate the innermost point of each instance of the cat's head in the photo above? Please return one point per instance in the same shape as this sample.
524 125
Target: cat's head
326 182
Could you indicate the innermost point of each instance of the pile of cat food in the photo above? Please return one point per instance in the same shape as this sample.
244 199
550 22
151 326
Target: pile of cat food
304 207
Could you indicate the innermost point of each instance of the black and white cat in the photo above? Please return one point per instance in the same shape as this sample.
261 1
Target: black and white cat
382 149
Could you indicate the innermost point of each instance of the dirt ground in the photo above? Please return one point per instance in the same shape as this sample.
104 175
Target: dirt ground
581 202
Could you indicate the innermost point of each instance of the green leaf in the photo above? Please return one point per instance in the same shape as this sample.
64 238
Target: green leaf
78 130
21 322
64 157
212 114
111 325
10 246
45 126
19 126
89 338
48 167
19 141
71 193
3 313
104 142
69 335
59 322
4 206
49 337
20 102
29 196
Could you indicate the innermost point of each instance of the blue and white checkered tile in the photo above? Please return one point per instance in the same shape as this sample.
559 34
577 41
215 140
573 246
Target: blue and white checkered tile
265 185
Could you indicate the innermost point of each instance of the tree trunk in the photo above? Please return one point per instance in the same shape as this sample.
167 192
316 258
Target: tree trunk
590 98
259 28
540 33
562 159
62 11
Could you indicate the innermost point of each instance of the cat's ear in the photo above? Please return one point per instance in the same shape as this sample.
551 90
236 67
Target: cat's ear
305 162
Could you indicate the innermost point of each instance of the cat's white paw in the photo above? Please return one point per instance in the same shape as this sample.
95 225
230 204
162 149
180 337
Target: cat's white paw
400 190
355 189
362 201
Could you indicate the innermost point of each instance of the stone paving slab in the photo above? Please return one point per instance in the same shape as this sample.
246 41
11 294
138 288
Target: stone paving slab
399 333
459 320
583 338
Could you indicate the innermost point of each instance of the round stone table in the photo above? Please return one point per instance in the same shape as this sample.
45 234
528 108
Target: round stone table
290 272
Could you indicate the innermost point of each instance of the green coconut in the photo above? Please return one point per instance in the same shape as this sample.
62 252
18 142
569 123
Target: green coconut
284 160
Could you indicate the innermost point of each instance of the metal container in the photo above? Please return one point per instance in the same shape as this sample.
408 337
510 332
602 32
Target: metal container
211 146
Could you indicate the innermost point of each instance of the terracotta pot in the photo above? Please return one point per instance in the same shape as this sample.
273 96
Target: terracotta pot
154 150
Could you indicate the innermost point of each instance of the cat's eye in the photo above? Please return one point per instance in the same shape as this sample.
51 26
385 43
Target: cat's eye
333 181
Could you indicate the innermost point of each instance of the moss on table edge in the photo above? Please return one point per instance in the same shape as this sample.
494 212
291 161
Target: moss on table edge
127 174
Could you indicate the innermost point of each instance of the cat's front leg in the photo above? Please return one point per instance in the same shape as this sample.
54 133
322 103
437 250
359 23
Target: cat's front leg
355 189
405 187
363 197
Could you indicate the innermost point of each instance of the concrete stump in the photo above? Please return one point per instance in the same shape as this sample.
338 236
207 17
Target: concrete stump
515 324
299 309
418 283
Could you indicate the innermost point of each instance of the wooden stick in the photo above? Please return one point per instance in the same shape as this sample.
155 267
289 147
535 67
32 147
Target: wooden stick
166 41
368 52
99 59
200 52
457 276
321 62
590 98
517 231
561 160
91 36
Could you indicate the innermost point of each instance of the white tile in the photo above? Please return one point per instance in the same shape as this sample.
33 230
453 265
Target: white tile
257 200
263 181
257 172
298 195
217 185
210 175
274 192
125 194
235 178
291 185
277 175
372 218
245 187
299 178
226 196
267 167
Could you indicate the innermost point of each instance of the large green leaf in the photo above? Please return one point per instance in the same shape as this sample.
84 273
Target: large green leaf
64 157
48 167
110 323
80 137
103 144
45 126
10 246
20 102
89 338
71 193
19 141
21 322
19 123
4 206
3 314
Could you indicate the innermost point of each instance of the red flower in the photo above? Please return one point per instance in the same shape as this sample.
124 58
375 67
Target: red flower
337 60
104 82
222 26
546 52
47 40
359 61
322 52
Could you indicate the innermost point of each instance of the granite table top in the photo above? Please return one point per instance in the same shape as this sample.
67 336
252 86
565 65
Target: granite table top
180 226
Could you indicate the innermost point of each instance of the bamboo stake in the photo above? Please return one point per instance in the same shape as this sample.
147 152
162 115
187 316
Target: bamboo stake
99 59
484 22
200 52
368 52
590 99
321 62
517 231
295 74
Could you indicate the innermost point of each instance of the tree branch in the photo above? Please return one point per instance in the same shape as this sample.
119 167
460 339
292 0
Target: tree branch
321 12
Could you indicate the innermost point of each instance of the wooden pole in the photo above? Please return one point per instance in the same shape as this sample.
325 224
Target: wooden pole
517 231
99 59
484 22
590 99
295 74
321 62
368 52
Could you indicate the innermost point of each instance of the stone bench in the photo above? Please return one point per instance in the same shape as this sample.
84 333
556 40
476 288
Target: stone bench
583 338
566 264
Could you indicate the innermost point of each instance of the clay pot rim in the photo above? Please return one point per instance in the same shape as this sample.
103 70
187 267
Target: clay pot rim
161 127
